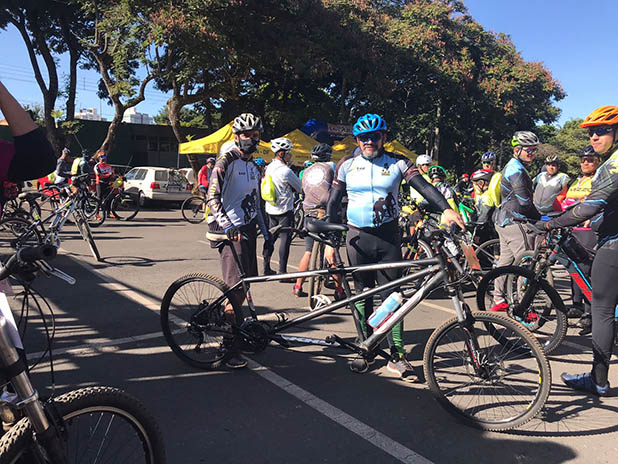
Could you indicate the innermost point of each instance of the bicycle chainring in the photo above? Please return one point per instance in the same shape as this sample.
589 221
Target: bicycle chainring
253 336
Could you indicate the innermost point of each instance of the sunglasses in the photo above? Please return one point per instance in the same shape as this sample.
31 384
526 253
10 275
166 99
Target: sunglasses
599 131
589 159
530 151
371 136
486 164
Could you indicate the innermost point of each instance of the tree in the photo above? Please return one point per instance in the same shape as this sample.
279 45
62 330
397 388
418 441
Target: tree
121 41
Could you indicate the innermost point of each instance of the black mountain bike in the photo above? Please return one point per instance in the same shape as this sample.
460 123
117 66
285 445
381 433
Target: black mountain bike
484 368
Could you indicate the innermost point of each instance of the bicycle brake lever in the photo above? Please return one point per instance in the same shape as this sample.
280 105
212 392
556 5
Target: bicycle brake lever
52 271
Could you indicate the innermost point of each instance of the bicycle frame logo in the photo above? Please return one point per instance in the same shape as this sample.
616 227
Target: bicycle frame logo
577 278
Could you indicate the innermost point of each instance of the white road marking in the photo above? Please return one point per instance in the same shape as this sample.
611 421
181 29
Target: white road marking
377 439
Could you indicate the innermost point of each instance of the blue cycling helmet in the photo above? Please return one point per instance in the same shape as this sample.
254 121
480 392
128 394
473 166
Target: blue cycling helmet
488 157
260 162
308 163
369 123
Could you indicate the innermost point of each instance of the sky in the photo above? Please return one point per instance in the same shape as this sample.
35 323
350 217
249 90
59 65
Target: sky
575 40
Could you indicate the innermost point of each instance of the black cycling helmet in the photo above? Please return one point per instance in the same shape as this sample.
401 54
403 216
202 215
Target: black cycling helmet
588 151
552 159
322 152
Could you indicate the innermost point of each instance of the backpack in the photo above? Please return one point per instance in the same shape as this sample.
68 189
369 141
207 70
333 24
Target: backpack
268 191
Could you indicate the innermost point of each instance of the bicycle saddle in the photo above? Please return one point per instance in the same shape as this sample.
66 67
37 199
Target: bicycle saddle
29 195
317 226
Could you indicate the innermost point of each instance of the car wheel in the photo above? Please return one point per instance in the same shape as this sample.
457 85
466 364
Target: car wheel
142 199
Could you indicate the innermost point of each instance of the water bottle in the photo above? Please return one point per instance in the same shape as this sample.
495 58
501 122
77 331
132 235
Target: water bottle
385 310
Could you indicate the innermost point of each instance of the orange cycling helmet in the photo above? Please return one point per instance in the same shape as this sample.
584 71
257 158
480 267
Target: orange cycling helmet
603 116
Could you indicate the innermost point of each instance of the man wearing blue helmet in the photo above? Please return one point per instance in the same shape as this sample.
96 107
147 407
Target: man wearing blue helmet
371 178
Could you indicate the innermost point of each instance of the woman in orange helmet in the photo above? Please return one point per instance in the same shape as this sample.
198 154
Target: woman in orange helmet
601 206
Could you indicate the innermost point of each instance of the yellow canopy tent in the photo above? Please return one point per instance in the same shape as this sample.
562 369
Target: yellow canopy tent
212 144
346 146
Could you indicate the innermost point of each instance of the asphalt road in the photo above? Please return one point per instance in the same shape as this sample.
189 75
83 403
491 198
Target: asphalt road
301 405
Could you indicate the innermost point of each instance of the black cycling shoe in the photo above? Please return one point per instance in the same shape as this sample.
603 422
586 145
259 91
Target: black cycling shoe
575 311
585 324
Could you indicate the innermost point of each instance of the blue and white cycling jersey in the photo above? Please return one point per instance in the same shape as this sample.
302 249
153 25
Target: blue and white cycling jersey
372 187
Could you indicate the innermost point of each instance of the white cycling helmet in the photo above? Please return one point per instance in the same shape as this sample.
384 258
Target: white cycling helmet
246 122
525 139
281 144
423 159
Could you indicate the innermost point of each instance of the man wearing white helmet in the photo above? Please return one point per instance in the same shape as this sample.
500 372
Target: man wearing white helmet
516 208
281 212
234 202
423 163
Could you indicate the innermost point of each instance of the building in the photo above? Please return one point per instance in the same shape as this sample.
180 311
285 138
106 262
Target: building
131 116
89 114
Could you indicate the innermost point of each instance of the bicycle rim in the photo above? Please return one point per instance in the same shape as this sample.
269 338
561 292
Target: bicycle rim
125 206
193 209
195 328
510 387
17 233
100 424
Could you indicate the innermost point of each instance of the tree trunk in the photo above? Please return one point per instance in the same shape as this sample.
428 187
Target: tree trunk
70 105
435 149
110 138
344 112
174 105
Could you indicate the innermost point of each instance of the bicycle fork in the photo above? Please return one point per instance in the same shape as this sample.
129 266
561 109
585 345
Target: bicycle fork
26 397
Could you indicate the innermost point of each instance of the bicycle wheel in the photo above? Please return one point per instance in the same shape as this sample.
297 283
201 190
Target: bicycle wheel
544 315
526 259
299 219
316 283
194 325
507 389
17 233
125 206
100 424
488 253
86 233
193 209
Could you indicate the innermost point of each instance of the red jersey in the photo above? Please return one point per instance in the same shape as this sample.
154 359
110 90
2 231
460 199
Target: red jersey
203 176
103 171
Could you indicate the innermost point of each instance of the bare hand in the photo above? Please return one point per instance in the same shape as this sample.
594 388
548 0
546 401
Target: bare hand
451 216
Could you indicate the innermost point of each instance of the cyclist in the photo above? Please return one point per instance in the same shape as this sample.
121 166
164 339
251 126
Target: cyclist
282 212
261 164
579 190
423 163
104 174
464 187
306 164
204 175
437 174
481 179
317 182
602 125
371 177
516 207
549 185
234 208
63 167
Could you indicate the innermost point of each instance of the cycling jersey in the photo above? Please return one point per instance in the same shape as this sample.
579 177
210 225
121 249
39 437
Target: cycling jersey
603 198
578 190
286 185
449 193
547 189
63 171
103 171
233 193
317 181
204 175
515 195
372 187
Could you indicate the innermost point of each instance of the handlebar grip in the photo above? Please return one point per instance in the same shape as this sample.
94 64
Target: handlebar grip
216 237
32 254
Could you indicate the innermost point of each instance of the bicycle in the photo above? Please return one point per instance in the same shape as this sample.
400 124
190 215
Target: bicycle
88 425
16 232
121 204
475 353
533 300
194 209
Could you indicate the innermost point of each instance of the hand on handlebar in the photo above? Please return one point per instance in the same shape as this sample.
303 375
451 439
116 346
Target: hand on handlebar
539 227
233 233
450 216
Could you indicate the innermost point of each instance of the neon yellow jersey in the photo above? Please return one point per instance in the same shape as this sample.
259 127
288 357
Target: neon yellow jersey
491 197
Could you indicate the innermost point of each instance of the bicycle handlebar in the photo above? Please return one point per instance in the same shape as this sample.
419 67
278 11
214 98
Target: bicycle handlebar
25 256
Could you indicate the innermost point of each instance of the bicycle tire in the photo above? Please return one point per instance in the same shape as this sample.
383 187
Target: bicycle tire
551 324
86 233
299 220
524 350
94 410
125 206
187 318
316 282
192 209
488 253
16 233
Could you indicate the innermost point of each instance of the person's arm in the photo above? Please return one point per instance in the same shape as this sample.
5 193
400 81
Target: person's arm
523 196
215 191
337 191
33 156
604 185
293 181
